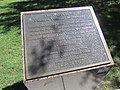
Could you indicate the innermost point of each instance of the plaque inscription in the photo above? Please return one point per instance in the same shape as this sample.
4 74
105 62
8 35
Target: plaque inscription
58 41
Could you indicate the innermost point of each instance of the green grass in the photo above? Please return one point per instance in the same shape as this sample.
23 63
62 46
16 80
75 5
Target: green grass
10 38
10 58
10 53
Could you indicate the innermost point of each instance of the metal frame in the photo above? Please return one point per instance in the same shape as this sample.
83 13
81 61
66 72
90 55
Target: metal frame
79 69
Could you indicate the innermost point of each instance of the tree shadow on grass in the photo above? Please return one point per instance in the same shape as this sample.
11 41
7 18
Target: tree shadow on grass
17 86
104 10
11 18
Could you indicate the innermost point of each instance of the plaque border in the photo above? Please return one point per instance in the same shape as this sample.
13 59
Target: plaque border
78 69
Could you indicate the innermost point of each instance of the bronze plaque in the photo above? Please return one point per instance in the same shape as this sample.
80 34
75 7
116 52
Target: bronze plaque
61 41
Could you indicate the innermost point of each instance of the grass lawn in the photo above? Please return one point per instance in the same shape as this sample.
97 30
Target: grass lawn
10 52
10 38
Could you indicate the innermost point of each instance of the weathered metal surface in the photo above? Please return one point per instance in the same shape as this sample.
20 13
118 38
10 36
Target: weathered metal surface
62 40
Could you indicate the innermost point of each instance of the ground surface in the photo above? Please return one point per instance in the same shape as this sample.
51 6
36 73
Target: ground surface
107 11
